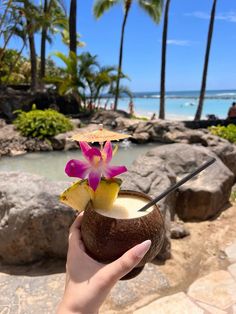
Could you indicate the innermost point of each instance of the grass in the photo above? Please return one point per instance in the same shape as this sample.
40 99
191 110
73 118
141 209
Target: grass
139 118
233 196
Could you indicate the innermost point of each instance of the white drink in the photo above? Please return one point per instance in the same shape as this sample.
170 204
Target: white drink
126 207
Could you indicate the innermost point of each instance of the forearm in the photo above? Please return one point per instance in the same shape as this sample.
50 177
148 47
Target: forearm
65 308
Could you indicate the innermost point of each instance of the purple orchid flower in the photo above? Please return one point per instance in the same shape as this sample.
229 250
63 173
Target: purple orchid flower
97 164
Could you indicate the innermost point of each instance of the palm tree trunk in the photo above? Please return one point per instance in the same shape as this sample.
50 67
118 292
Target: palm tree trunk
33 58
163 62
128 4
43 48
207 54
72 26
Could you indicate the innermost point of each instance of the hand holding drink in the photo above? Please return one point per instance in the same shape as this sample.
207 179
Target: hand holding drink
120 230
111 224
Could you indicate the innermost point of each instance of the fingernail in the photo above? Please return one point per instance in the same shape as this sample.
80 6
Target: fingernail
142 248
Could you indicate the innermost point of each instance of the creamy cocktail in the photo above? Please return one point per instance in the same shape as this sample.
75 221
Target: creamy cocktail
126 207
107 234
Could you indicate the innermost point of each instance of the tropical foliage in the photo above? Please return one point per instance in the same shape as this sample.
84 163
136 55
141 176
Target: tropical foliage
15 69
85 79
42 123
24 19
82 77
226 132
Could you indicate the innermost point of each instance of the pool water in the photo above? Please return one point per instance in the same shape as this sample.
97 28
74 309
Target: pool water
52 164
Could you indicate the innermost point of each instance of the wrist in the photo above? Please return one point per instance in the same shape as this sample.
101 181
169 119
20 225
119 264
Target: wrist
67 307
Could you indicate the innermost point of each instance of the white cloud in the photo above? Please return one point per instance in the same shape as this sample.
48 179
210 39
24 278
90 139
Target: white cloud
228 16
199 15
177 42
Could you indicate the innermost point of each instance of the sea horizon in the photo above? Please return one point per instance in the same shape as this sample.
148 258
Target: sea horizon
180 105
214 93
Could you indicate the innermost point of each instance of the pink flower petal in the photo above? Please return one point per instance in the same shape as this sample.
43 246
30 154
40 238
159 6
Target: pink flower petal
94 179
108 151
112 171
85 147
77 168
91 153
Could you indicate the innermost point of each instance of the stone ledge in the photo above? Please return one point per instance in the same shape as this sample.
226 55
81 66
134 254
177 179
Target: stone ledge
178 303
216 289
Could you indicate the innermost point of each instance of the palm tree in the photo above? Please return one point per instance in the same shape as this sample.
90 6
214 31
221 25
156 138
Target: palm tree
10 25
207 54
29 14
33 56
70 83
53 17
72 25
152 7
163 62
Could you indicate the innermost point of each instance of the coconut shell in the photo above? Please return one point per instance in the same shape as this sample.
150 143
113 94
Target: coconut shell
106 238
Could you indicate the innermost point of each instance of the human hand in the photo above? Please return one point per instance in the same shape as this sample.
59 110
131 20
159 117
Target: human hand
88 282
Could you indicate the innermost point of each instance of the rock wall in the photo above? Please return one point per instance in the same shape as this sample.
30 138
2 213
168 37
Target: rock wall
199 199
33 223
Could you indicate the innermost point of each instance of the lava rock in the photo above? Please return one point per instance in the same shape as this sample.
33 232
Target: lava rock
33 223
206 194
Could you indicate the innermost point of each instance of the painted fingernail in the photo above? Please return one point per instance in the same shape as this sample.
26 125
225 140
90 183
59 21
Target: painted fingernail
142 248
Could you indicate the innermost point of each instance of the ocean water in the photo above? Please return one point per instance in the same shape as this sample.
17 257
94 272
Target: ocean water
181 105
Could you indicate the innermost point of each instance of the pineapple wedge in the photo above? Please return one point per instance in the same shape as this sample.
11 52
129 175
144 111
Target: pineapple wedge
106 193
78 195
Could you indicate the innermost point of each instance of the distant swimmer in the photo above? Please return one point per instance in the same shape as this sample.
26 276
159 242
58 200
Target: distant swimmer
232 111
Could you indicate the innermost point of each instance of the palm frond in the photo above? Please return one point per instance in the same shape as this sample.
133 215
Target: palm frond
101 6
123 90
153 8
63 57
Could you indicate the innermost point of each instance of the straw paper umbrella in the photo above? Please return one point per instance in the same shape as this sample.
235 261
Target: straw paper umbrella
101 135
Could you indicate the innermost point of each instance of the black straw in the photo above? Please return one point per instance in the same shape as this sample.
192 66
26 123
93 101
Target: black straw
178 184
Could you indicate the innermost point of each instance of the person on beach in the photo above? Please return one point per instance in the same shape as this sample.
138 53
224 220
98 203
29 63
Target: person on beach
232 111
88 282
153 117
111 106
131 108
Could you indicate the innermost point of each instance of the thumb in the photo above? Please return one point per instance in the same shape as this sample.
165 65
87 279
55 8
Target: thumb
123 265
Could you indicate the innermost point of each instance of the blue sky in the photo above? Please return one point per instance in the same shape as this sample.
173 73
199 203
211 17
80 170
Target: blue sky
188 27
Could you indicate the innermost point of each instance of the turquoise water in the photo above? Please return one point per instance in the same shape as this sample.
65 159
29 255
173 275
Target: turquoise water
182 105
52 164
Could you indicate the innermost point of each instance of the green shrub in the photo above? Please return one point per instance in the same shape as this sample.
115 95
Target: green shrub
42 123
226 132
139 118
233 196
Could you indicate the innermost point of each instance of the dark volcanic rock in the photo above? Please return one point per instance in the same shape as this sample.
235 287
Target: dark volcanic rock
178 230
108 117
205 195
33 223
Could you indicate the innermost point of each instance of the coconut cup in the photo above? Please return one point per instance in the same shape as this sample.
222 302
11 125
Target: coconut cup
106 238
